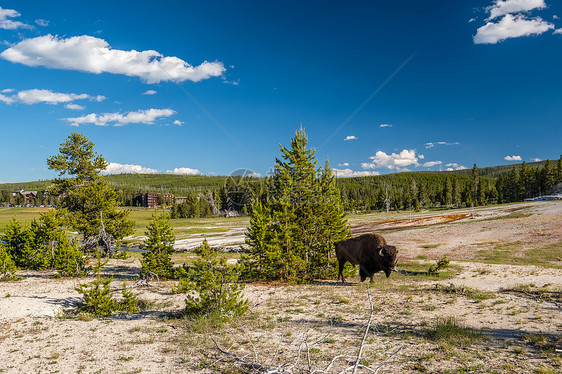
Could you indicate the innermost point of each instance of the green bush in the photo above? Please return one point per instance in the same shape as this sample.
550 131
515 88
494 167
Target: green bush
213 286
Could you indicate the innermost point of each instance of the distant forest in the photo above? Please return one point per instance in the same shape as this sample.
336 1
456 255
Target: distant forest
211 195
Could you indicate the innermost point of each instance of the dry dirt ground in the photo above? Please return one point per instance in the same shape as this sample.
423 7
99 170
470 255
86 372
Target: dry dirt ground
506 309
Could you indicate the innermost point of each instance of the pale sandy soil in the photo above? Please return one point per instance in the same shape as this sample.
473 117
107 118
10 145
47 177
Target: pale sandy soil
520 333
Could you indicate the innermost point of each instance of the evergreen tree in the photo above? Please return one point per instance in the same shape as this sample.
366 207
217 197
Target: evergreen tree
292 233
159 245
216 287
7 265
88 202
559 170
448 193
548 177
14 238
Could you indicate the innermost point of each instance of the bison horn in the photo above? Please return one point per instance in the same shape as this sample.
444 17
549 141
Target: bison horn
380 252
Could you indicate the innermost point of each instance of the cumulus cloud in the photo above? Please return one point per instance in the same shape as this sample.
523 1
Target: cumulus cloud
558 31
536 159
350 137
348 173
178 122
36 96
95 55
119 119
149 92
42 22
503 7
183 171
431 145
512 158
431 164
393 161
74 107
7 90
385 125
454 166
115 168
344 164
6 99
510 26
8 24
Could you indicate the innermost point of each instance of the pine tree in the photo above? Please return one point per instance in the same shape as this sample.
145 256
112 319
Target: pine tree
87 201
215 284
15 237
448 193
159 245
7 265
548 177
292 232
559 170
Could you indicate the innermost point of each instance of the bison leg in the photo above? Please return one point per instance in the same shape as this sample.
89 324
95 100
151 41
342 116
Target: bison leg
340 273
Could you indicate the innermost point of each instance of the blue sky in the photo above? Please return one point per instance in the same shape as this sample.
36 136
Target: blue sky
211 87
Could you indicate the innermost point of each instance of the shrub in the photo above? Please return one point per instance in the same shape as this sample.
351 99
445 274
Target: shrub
215 285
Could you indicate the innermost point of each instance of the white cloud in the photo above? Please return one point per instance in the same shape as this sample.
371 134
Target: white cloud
431 145
344 164
118 119
385 125
95 55
35 96
149 92
503 7
558 31
471 20
178 122
350 137
536 159
393 161
8 24
42 22
7 90
74 107
6 99
115 168
454 166
512 158
47 96
183 171
555 17
348 173
431 164
510 27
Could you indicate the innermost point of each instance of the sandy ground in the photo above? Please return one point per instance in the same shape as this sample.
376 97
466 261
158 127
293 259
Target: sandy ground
519 332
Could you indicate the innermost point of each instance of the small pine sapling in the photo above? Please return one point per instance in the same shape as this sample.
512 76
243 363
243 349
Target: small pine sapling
97 294
212 286
7 265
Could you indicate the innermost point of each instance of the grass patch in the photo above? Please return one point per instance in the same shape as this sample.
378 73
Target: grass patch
429 246
450 331
471 293
515 254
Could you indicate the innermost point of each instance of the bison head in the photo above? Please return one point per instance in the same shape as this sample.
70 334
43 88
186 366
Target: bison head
388 257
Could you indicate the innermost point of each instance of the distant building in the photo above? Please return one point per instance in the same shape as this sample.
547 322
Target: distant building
153 199
29 196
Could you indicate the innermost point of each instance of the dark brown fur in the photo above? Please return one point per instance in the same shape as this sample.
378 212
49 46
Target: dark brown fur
370 252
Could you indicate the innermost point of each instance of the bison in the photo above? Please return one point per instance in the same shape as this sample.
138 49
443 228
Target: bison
370 252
